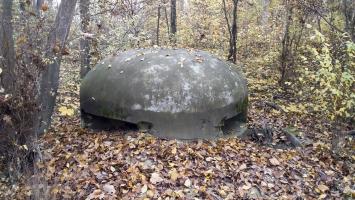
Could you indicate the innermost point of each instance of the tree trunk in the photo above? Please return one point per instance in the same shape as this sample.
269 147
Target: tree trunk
50 75
232 56
167 21
349 14
173 21
158 24
265 13
286 45
38 5
84 41
7 49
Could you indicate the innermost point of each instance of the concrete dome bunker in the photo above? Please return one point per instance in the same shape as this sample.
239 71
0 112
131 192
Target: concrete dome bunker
172 93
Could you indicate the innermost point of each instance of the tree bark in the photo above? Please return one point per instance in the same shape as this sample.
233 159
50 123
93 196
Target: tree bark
167 21
232 29
158 24
38 5
50 75
349 14
265 13
173 21
84 41
286 45
7 49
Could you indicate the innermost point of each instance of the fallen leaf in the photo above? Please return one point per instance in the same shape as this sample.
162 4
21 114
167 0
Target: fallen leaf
44 7
110 189
144 189
274 161
150 193
94 195
174 150
329 172
187 183
174 175
222 193
246 186
7 119
64 111
243 166
323 188
155 178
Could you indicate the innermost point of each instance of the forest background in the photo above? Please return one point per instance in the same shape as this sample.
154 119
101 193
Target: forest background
298 57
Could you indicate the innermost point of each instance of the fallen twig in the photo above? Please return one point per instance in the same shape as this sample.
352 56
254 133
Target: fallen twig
274 106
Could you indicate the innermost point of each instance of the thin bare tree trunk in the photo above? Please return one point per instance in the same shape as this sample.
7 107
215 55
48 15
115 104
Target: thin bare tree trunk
38 5
167 20
84 41
158 24
173 21
349 14
7 49
232 56
286 45
50 76
226 17
265 13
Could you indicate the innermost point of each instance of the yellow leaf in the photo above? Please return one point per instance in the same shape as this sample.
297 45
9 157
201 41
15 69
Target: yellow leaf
64 111
150 193
174 175
174 150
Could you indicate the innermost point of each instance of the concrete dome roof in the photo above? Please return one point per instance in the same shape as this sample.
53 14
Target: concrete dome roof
181 93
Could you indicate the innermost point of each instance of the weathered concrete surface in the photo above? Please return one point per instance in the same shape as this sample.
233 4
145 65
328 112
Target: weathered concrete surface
176 93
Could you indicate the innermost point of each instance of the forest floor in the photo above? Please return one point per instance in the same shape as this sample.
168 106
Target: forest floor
80 164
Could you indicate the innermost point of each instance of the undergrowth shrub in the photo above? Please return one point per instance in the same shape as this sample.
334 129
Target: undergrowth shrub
325 85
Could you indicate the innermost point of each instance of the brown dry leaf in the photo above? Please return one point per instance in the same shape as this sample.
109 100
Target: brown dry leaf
21 40
94 195
44 7
323 188
174 175
246 186
274 161
243 166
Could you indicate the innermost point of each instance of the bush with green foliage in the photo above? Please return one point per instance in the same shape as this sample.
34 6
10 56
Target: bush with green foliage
326 82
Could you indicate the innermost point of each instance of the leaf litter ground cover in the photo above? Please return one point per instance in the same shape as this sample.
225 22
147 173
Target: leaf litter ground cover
80 164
